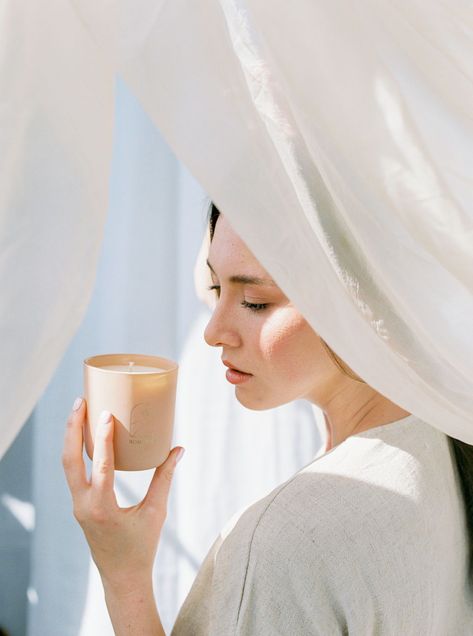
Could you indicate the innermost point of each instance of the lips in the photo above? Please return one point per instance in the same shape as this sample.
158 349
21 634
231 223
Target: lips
230 365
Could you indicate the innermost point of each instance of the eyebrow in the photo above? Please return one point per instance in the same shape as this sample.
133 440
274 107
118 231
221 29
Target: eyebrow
247 280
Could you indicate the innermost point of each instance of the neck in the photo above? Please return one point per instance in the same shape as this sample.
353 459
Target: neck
354 408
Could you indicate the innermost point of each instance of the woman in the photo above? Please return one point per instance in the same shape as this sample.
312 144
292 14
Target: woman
369 538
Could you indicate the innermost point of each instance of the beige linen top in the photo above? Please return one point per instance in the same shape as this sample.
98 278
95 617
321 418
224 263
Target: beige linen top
368 539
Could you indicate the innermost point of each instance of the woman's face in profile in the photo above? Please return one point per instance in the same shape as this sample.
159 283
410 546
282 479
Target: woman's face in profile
260 332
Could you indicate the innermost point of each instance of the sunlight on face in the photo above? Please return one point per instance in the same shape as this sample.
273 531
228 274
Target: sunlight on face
259 330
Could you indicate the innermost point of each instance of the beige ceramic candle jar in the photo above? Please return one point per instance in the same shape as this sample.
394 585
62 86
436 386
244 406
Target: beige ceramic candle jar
140 392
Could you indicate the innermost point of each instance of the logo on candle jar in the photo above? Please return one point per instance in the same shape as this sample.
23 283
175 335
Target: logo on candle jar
140 420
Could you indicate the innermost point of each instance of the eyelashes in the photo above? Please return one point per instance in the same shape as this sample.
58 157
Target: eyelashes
254 306
251 306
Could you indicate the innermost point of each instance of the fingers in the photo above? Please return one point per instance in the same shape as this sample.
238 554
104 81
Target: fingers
103 462
72 459
158 491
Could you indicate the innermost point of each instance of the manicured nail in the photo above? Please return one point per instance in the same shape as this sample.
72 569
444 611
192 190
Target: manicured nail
77 404
105 417
179 455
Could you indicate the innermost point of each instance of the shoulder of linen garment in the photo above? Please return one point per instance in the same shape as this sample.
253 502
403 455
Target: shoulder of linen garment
366 539
357 537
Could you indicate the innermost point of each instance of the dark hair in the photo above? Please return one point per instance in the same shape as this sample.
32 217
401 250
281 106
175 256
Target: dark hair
213 215
462 452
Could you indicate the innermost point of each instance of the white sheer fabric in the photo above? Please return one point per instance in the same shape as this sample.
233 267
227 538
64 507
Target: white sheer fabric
55 152
336 137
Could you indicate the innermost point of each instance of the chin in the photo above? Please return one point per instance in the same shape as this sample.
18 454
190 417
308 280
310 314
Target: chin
260 403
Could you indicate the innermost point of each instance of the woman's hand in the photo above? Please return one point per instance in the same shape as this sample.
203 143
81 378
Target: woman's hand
123 541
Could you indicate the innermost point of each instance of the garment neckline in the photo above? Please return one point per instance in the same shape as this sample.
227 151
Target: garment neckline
403 420
408 419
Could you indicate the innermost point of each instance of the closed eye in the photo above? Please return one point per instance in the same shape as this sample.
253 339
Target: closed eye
254 306
244 303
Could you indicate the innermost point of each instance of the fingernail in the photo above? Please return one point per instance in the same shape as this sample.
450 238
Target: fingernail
105 417
179 455
77 404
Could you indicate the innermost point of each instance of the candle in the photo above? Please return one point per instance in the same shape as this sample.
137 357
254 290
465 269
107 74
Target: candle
131 367
140 391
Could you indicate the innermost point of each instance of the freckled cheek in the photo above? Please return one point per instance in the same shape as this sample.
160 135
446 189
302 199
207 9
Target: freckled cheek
283 343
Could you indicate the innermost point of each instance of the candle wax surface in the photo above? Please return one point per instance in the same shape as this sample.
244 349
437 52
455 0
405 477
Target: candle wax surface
134 368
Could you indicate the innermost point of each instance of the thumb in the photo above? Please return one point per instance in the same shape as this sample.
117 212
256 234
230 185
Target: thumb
158 491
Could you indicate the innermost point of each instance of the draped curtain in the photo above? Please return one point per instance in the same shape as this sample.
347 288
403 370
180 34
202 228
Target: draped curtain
336 137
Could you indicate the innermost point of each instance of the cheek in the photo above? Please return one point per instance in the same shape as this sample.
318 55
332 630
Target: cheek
288 342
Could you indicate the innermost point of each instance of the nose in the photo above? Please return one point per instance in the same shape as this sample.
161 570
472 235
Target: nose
221 330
